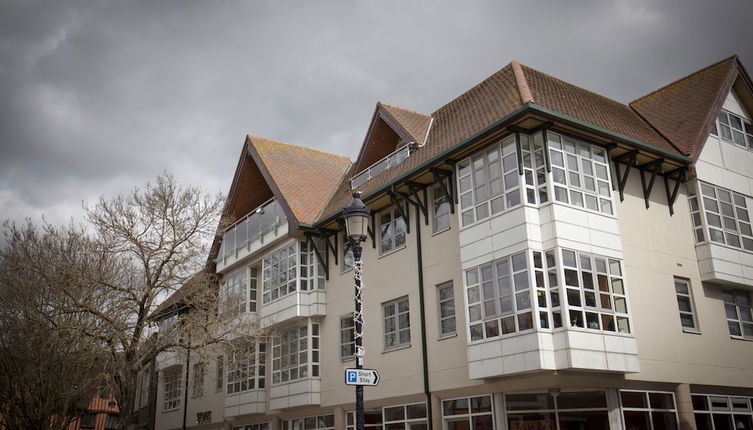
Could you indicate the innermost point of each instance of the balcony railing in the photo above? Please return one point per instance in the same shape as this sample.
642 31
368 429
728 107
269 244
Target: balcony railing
253 227
381 166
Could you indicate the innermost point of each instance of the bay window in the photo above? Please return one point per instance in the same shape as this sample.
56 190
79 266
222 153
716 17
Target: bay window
726 215
580 173
290 268
489 182
499 297
239 291
541 289
246 368
295 354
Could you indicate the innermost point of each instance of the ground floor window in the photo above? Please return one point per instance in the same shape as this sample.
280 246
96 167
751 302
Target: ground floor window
405 417
566 411
722 412
648 410
468 413
262 426
372 420
320 422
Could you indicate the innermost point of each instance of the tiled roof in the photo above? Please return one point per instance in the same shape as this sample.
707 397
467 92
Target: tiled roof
194 283
560 96
305 177
476 109
682 110
415 123
499 95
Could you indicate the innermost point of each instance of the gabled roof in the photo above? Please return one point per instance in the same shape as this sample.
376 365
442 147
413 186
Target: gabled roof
176 300
684 110
303 178
505 93
416 124
560 96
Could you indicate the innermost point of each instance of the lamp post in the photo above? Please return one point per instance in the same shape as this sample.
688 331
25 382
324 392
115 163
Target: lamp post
356 223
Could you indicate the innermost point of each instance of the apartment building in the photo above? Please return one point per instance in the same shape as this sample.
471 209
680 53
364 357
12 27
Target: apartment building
539 257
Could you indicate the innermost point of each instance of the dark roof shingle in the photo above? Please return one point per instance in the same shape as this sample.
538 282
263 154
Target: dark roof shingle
681 111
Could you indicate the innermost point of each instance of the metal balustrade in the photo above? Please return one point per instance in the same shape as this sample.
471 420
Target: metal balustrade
381 166
252 227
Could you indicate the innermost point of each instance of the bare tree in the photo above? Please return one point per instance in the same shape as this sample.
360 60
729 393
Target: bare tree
142 247
47 369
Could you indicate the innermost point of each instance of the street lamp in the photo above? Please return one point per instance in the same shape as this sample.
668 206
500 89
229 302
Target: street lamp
356 223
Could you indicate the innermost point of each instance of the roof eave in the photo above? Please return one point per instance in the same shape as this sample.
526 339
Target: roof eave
523 110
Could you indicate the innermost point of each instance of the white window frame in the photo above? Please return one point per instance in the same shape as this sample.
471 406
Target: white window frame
489 182
246 370
405 420
738 314
648 407
391 316
310 269
280 272
484 286
575 165
470 414
239 291
726 216
295 354
733 406
613 273
441 205
350 420
684 293
446 312
173 387
347 337
725 129
391 230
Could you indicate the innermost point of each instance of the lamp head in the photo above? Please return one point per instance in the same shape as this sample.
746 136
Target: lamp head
356 218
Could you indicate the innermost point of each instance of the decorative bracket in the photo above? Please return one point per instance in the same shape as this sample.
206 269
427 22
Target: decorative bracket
448 187
653 167
680 175
622 179
404 214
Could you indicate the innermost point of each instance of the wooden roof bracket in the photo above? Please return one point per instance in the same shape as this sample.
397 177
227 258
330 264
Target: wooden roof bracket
448 187
395 198
653 167
324 261
622 178
680 176
413 189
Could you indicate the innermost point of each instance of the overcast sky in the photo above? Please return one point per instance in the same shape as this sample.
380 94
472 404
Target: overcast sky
99 96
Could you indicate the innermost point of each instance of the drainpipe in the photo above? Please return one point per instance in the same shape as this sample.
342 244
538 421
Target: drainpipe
422 307
185 391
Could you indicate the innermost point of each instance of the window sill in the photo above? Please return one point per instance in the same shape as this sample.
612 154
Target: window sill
347 359
342 272
746 339
197 396
392 251
691 331
396 348
447 336
164 411
440 231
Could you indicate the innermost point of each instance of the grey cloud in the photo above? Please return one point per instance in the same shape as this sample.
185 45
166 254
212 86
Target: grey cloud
101 96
